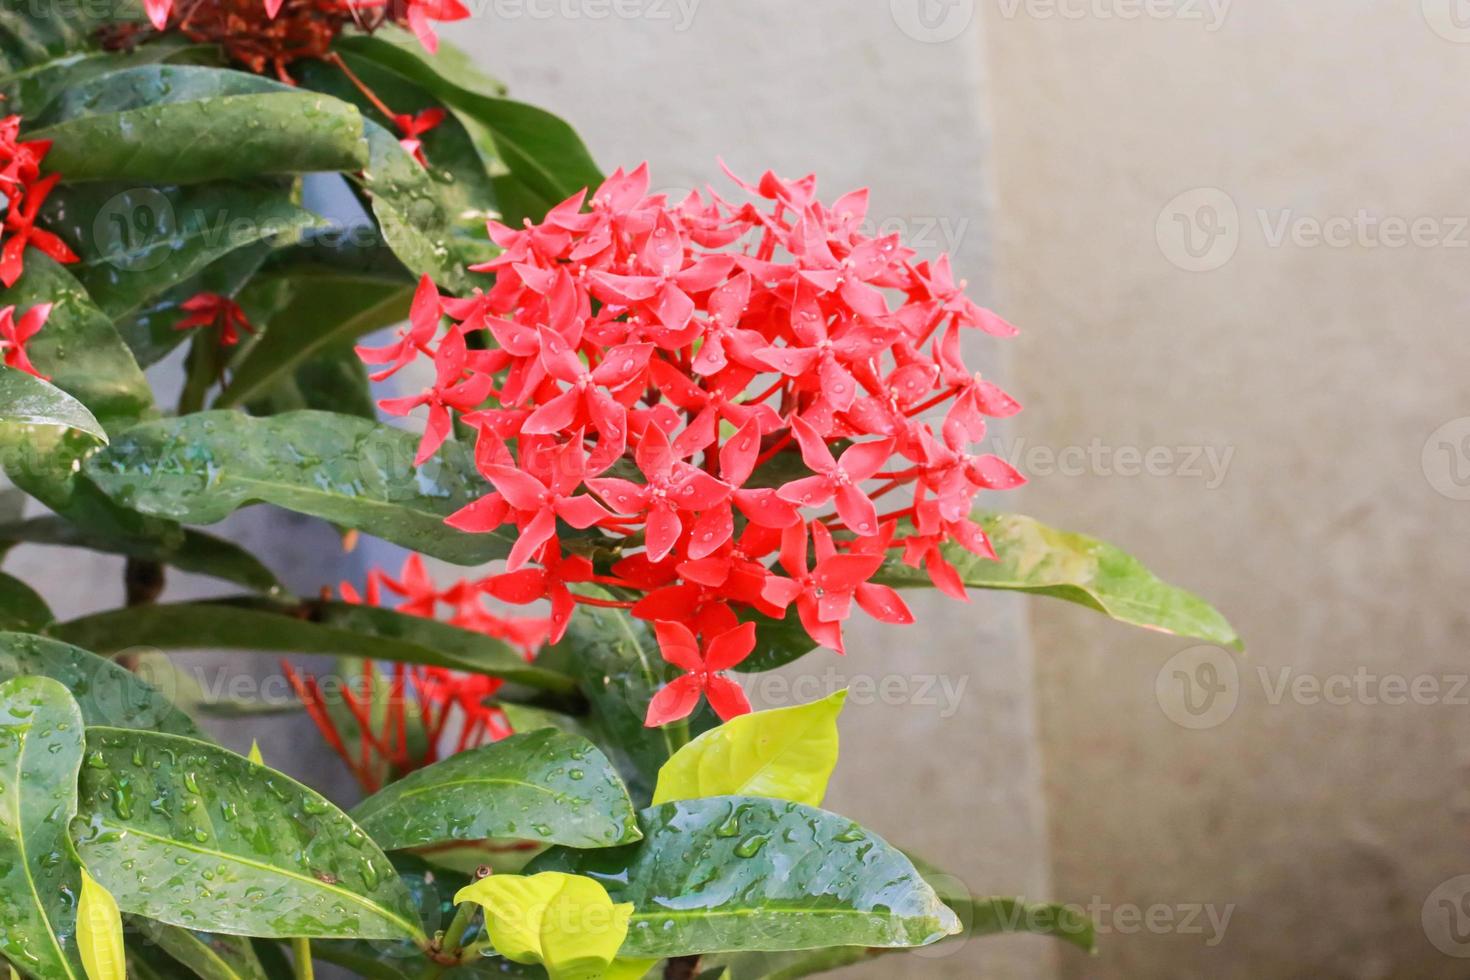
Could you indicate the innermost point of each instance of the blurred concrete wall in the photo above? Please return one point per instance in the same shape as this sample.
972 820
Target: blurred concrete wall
1240 229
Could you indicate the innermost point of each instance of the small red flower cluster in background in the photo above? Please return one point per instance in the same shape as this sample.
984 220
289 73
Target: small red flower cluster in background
25 190
215 310
449 704
722 393
15 333
271 34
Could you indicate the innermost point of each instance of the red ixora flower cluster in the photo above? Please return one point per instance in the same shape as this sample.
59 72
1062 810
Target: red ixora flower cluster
217 311
274 33
449 704
24 190
720 394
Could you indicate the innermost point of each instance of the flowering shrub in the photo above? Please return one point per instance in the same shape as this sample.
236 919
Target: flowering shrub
671 442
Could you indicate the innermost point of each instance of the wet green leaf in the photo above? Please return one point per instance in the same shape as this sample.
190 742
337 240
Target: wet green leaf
194 551
27 399
743 873
137 243
346 470
182 124
242 626
1039 559
21 608
195 836
40 879
106 693
78 348
325 313
784 753
38 30
544 786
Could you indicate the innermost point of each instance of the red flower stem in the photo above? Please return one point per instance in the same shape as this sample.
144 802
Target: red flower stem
336 59
894 515
769 454
780 383
937 399
588 600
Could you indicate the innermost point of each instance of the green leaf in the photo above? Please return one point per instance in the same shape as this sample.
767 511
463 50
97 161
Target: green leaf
182 124
743 873
335 380
41 29
40 879
229 626
525 718
21 608
325 313
30 90
1036 558
194 551
27 399
210 957
564 922
78 348
99 932
346 470
258 853
544 786
138 244
619 668
785 754
106 693
542 151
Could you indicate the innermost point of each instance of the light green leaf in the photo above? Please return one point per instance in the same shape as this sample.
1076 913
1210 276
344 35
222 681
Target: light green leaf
346 470
210 957
785 754
545 786
99 932
1036 558
260 854
40 878
27 399
566 923
21 608
745 873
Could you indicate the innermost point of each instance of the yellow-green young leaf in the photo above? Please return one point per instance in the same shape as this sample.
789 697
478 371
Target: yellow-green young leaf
99 932
566 923
628 969
784 754
255 755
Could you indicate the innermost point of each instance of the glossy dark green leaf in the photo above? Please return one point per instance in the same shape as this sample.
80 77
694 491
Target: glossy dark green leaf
777 642
346 470
78 348
218 625
21 608
325 313
1036 558
743 873
40 880
545 786
26 399
182 124
619 668
335 380
542 151
139 243
163 819
195 551
28 91
38 30
106 693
